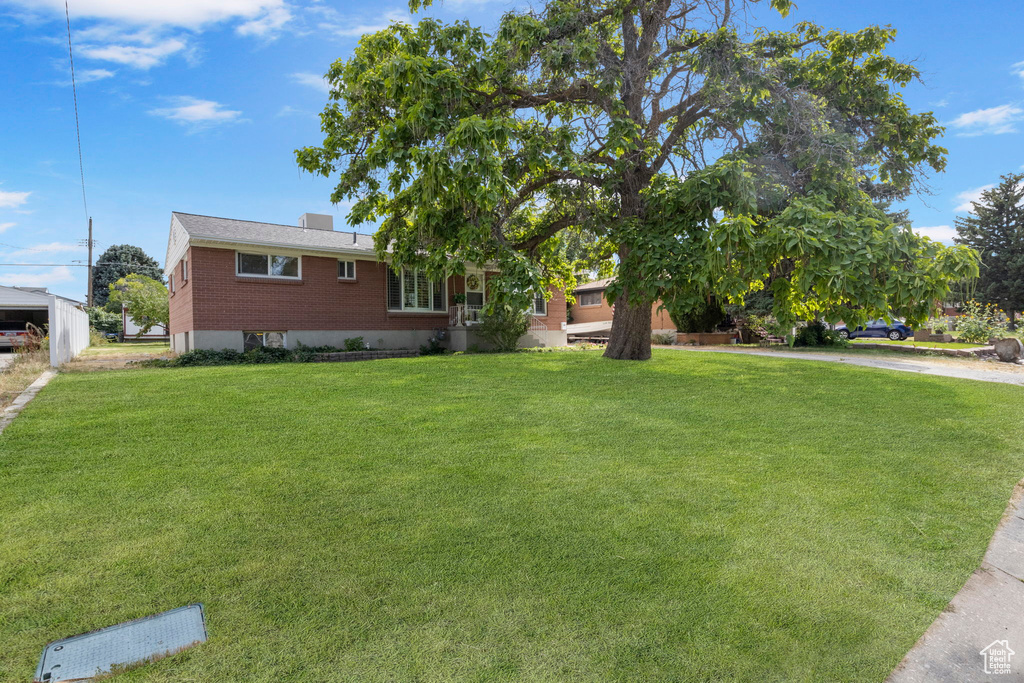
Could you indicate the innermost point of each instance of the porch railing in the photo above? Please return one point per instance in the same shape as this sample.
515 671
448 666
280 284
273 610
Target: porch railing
463 314
467 314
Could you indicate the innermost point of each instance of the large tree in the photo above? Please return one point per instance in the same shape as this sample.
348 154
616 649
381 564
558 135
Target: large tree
707 160
996 231
115 263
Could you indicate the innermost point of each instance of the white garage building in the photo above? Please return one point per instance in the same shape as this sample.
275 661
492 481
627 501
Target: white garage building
63 318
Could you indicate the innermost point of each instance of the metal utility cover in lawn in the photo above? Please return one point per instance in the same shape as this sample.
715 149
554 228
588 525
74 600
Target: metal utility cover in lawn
133 642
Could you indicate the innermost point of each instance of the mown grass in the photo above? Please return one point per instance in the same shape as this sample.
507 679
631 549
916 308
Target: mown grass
126 349
536 517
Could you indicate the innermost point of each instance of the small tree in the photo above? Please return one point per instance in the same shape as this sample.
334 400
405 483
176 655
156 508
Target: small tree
503 325
117 262
145 298
996 231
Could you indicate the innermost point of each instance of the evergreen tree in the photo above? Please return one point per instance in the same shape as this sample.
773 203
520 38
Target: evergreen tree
119 261
995 229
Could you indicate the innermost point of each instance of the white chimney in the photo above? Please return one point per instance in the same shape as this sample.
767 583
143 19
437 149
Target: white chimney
316 221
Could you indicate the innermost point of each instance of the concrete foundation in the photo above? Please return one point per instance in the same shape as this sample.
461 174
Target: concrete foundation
465 338
457 339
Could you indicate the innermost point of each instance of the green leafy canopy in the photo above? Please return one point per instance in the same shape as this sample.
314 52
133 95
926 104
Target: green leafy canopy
145 298
708 161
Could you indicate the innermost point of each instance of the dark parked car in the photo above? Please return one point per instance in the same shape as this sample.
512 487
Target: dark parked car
895 330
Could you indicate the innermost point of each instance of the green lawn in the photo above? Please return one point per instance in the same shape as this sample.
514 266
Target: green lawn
534 517
126 348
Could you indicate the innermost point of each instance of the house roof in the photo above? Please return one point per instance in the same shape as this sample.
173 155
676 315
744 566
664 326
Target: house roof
28 297
596 285
271 234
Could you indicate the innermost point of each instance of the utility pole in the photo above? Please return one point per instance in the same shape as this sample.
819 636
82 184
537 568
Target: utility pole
89 299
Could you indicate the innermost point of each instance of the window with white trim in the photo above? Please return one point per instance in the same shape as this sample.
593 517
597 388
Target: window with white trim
540 305
184 270
346 270
412 290
267 265
170 281
590 298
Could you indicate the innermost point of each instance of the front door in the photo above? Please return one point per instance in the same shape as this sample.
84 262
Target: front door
474 295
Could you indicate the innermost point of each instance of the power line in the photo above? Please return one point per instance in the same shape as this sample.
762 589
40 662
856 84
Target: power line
74 93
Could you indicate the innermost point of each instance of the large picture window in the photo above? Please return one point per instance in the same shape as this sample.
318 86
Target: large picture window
590 298
412 290
268 265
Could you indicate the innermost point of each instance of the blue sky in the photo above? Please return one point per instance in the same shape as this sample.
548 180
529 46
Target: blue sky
197 106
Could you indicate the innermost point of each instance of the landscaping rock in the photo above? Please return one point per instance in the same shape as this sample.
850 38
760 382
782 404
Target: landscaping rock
1009 350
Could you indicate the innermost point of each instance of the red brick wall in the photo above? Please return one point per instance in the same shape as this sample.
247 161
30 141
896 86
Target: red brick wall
217 299
604 312
181 301
591 314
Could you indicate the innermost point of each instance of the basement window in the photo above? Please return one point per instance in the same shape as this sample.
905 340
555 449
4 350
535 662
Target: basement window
255 340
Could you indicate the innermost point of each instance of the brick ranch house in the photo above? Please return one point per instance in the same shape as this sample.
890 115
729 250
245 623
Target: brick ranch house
592 314
237 284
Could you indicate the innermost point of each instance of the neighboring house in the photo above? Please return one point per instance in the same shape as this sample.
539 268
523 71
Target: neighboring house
238 284
131 330
592 314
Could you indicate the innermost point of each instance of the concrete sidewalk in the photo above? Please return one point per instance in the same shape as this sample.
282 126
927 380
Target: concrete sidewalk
980 634
988 372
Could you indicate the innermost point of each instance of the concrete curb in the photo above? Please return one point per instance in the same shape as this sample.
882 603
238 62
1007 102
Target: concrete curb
986 612
11 411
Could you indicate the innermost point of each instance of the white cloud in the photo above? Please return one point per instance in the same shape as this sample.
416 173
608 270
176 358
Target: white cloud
1018 69
87 75
349 29
940 233
313 81
967 196
4 227
38 278
267 25
90 75
992 121
12 200
196 113
137 56
190 14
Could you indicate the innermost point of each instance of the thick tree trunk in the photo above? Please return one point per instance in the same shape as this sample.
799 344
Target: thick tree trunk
631 331
630 337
